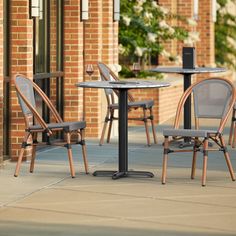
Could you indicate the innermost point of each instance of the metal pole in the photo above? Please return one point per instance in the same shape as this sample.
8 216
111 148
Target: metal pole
123 131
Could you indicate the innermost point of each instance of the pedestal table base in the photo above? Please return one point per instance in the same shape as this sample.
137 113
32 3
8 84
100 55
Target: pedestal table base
120 174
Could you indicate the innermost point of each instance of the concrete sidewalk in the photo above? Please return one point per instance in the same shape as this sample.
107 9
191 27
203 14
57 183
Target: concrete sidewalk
50 202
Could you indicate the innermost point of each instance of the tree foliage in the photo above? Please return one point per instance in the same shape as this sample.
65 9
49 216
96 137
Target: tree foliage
143 29
225 35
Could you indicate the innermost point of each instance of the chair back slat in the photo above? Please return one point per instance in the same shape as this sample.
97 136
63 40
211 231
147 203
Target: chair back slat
212 98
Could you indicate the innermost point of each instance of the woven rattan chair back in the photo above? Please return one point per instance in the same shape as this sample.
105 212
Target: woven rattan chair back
212 99
25 87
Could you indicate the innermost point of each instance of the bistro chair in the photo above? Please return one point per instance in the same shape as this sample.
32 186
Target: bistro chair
213 99
35 124
146 105
232 132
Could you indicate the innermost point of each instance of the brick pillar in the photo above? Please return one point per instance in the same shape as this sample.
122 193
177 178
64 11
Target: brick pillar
185 9
109 33
93 50
169 45
206 47
95 39
182 8
73 61
101 44
21 54
109 52
1 82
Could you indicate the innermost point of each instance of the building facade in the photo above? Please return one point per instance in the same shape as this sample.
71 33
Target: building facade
55 50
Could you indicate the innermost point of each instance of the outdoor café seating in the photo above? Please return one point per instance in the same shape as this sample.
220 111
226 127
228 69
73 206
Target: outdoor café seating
146 105
213 99
34 124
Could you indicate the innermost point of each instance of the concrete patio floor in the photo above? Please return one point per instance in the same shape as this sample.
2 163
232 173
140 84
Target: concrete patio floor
50 202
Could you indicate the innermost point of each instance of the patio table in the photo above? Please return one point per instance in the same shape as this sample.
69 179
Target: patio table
123 87
187 73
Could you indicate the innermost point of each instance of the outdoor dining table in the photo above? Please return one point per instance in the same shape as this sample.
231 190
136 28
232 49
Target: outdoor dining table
123 87
187 74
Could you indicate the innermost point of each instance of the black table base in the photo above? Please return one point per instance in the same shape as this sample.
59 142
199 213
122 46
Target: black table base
120 174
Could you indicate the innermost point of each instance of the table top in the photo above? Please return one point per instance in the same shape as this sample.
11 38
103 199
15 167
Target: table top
123 84
180 70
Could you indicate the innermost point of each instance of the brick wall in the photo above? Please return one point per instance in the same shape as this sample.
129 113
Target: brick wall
21 54
94 39
205 47
100 45
165 101
73 60
1 82
170 46
93 53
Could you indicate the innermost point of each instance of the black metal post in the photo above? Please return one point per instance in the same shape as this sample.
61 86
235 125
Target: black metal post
187 105
6 82
123 143
123 140
123 131
60 58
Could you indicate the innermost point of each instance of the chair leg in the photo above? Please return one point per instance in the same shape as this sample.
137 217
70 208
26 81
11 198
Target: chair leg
23 147
146 126
227 158
232 128
153 126
104 128
205 157
33 152
165 159
110 126
234 135
84 151
69 151
194 159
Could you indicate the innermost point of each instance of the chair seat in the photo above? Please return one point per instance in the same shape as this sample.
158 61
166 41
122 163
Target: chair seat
67 126
188 132
144 103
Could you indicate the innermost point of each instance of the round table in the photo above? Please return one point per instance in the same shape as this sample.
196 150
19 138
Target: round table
187 73
123 87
